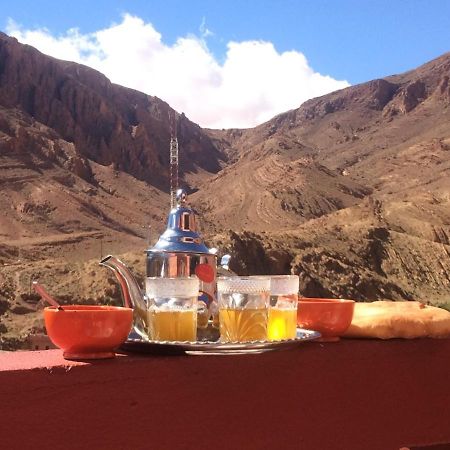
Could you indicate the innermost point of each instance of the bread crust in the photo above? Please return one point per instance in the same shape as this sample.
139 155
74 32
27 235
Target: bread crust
403 319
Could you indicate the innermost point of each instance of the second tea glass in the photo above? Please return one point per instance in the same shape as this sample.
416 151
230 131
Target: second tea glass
243 303
172 308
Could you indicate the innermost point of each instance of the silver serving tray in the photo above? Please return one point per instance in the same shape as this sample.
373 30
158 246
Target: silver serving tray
140 345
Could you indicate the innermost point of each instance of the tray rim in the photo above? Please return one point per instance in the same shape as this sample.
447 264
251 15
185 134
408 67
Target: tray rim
217 347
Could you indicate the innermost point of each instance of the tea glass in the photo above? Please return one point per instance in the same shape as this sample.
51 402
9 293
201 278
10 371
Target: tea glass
172 308
243 303
282 317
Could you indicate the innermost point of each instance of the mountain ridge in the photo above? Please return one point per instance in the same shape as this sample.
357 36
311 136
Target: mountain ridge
106 122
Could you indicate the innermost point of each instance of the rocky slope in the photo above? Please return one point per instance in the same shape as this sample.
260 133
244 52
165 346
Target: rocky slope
106 123
351 190
83 171
389 140
390 136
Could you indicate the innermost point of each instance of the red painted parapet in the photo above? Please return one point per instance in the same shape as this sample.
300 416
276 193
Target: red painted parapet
346 395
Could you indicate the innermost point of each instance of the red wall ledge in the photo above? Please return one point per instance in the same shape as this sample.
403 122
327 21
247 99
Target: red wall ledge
348 395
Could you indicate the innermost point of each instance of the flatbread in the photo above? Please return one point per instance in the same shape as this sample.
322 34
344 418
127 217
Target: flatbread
387 320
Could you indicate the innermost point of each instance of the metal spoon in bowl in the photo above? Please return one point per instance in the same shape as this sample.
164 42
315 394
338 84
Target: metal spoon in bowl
46 296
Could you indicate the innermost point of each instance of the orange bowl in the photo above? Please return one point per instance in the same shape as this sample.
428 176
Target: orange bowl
330 317
88 331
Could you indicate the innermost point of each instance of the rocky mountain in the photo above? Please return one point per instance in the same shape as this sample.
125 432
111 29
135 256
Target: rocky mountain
384 137
351 190
106 123
83 171
80 155
389 236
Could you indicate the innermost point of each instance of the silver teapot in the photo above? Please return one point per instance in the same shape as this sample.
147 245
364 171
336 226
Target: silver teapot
179 252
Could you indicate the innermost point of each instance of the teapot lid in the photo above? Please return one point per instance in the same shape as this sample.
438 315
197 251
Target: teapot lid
181 232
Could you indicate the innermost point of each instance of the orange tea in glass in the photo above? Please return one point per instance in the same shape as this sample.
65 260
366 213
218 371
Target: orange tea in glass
282 317
172 308
243 303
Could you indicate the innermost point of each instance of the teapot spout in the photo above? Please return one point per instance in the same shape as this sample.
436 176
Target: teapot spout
131 292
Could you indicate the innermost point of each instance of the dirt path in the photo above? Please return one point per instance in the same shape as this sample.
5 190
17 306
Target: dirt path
55 239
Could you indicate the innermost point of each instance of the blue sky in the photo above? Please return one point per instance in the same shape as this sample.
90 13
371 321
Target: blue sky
347 40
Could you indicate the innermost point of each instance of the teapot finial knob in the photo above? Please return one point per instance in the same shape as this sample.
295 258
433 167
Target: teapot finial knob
181 197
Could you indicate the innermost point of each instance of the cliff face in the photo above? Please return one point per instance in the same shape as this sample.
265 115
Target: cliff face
106 123
84 170
351 190
388 138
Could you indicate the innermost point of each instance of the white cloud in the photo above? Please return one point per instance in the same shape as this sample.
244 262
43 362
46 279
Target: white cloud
253 84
